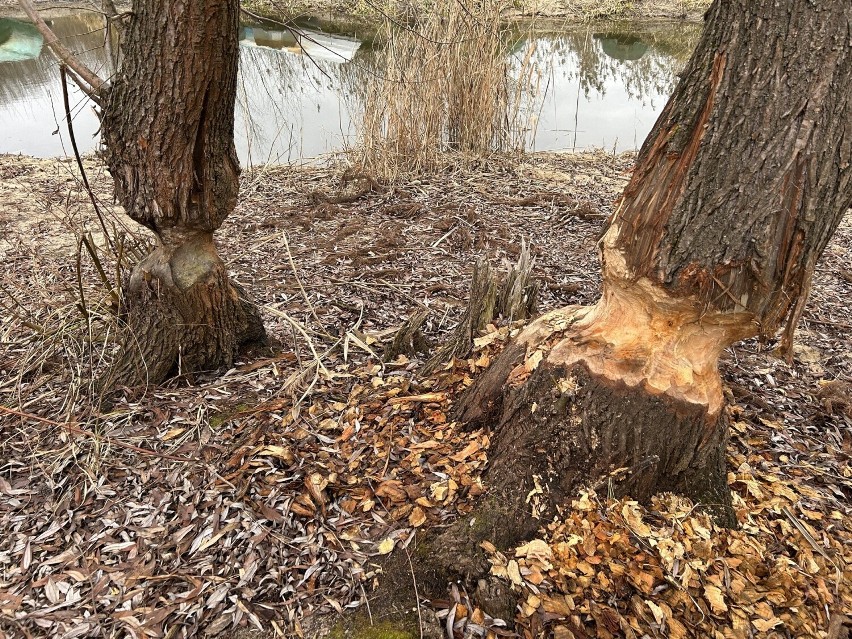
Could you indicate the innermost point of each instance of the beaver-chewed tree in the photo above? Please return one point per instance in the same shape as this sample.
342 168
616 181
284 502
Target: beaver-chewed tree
735 194
168 133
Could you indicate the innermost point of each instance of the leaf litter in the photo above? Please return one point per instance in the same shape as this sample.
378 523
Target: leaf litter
307 462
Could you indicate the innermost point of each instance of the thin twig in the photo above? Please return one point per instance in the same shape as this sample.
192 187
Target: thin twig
416 594
813 320
73 138
302 288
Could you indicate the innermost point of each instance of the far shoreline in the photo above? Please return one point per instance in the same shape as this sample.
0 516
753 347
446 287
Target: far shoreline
369 15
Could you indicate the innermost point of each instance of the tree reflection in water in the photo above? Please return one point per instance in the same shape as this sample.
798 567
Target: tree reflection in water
605 85
600 86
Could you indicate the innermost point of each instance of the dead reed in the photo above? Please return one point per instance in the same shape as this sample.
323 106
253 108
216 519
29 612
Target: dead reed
447 84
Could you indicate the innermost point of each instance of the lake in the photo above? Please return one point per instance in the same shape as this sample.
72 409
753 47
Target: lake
600 85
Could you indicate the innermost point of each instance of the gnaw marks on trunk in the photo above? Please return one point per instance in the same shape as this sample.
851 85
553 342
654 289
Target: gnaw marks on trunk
168 131
736 192
624 396
184 315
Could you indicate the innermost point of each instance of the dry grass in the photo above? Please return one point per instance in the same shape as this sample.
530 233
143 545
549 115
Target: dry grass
372 11
58 300
448 85
590 10
603 9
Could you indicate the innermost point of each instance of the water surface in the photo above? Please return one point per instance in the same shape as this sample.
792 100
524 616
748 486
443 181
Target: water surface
600 86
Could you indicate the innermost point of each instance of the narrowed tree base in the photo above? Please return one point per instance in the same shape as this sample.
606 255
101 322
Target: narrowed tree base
563 429
623 397
183 316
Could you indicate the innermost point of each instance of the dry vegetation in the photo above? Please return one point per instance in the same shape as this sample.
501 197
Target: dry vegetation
575 10
446 84
265 496
261 499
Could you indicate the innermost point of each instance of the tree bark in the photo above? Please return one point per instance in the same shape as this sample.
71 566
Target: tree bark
736 192
168 131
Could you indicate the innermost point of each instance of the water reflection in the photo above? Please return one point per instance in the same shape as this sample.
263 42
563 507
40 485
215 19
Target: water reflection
19 41
622 47
606 87
298 95
31 96
291 100
318 46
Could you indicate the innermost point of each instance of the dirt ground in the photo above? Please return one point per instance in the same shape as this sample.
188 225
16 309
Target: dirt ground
264 497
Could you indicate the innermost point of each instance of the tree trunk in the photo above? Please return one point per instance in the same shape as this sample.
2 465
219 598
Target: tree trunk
736 192
168 131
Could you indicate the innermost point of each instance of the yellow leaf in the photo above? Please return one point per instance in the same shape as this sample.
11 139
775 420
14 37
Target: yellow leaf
439 491
584 503
765 625
633 519
283 453
530 606
174 432
485 340
659 615
470 449
417 517
536 551
670 551
482 361
386 546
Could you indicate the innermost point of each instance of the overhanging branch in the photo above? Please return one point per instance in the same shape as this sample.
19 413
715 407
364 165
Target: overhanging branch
92 84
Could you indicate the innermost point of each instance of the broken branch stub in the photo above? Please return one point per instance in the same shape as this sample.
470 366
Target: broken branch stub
409 339
513 297
518 296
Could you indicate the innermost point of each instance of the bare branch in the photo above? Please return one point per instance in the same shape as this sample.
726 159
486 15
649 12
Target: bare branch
108 7
96 86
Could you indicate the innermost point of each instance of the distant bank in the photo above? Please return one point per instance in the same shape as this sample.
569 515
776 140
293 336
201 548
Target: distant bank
377 10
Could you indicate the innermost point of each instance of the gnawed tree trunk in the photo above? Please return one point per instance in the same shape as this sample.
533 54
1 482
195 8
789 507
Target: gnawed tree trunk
168 132
736 192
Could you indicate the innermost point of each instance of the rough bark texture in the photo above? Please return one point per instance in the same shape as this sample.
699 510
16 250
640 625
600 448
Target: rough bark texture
746 173
166 291
168 130
736 192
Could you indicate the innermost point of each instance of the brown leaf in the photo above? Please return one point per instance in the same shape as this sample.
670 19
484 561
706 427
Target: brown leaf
716 599
417 517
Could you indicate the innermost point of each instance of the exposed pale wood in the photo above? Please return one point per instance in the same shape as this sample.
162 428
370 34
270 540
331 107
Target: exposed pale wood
642 335
736 192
